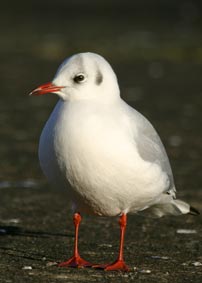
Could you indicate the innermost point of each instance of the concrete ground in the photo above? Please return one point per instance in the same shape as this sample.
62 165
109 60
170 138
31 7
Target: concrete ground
36 233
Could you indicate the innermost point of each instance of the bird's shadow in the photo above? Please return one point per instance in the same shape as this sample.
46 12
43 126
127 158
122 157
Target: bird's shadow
19 231
24 254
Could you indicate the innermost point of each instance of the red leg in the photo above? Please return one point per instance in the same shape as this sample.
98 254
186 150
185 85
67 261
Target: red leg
119 264
76 260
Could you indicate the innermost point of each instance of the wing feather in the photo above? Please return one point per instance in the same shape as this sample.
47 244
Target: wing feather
149 145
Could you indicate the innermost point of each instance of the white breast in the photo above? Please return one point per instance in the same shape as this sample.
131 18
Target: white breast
97 155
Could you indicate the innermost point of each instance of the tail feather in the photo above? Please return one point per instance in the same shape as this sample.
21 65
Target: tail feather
169 206
194 211
183 207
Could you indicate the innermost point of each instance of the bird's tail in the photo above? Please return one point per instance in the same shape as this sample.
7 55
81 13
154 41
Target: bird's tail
193 211
169 206
185 208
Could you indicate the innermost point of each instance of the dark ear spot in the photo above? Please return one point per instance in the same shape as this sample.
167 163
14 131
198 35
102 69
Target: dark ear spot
99 78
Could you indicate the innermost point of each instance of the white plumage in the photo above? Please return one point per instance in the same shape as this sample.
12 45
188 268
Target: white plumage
108 152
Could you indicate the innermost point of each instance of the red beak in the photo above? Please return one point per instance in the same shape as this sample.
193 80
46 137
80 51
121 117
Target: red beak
46 88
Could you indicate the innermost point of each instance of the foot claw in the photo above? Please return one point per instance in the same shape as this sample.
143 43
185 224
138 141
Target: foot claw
117 265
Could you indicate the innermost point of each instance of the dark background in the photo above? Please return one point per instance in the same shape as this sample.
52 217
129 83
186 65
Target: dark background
155 47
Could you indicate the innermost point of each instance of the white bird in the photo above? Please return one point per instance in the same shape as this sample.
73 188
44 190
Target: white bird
109 153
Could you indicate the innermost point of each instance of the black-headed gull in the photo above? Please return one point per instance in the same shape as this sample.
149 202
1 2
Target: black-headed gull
108 152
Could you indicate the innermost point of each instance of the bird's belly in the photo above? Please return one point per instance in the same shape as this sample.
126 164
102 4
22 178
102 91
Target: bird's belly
107 177
111 182
113 191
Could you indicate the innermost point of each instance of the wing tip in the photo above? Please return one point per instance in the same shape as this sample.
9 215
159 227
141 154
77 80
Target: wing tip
194 211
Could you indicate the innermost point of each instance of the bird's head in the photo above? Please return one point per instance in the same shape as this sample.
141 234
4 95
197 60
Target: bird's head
82 76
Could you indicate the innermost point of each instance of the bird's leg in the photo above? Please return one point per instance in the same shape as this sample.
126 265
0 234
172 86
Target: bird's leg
76 260
119 264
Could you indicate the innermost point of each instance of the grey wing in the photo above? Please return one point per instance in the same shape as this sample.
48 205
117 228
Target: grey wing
150 146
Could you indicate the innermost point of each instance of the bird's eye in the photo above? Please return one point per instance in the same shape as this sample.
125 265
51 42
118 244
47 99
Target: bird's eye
80 78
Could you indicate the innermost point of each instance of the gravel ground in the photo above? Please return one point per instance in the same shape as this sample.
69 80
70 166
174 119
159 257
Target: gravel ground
36 233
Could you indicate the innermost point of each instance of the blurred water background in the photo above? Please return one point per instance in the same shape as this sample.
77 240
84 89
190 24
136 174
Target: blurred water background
155 47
